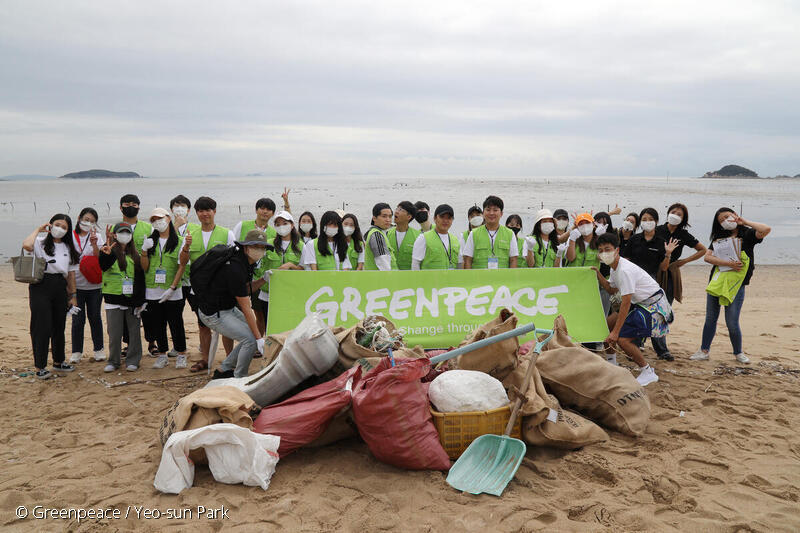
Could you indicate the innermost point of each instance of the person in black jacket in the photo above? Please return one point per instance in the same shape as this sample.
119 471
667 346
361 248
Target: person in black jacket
124 295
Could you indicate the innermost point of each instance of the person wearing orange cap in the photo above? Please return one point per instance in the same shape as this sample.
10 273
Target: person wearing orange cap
582 248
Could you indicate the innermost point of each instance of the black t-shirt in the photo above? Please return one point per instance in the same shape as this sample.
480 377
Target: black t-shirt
685 238
232 280
646 254
749 241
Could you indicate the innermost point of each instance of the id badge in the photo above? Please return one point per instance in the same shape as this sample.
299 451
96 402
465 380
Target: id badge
127 286
161 276
493 263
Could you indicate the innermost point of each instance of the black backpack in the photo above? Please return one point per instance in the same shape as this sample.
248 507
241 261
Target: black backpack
205 266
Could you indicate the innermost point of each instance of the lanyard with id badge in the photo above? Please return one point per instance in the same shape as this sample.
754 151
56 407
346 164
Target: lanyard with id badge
127 286
449 250
161 272
493 262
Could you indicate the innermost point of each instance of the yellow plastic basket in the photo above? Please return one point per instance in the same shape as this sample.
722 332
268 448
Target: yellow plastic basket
458 430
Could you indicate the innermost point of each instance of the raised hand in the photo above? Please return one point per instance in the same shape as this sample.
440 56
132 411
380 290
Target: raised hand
285 195
670 246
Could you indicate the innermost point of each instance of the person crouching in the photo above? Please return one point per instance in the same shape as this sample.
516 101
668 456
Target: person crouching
226 308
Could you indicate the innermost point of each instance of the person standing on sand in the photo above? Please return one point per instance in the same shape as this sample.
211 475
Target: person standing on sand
401 237
378 255
355 241
474 220
55 296
727 224
87 240
541 247
491 246
628 229
423 215
437 249
644 311
514 223
329 251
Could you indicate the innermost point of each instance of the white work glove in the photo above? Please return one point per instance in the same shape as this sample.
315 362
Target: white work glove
574 235
561 249
147 244
267 275
167 294
600 229
139 310
74 310
260 345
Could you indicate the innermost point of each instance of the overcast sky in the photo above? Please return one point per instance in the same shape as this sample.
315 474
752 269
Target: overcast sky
414 88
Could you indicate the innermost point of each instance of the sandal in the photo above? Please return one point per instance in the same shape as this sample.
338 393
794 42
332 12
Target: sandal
199 366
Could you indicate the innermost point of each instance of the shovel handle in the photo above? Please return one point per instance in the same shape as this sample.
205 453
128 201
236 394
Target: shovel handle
527 380
516 332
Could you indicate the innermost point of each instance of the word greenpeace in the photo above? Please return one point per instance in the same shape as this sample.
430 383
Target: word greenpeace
438 308
40 512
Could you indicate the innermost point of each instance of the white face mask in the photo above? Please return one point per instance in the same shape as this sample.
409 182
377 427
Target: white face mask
607 257
123 237
547 227
586 229
476 221
256 253
649 225
180 211
57 232
674 219
161 225
627 225
348 230
305 227
728 224
86 225
331 232
562 224
284 230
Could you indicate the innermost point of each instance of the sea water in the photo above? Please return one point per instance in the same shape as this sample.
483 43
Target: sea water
26 204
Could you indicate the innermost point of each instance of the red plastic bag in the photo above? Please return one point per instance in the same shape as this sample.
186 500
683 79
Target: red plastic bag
302 418
392 413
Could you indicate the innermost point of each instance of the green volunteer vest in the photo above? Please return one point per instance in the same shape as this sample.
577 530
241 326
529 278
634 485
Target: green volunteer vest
190 227
219 235
464 236
369 258
352 255
273 260
588 257
543 259
112 278
248 225
436 256
168 261
324 262
521 262
140 233
403 253
482 247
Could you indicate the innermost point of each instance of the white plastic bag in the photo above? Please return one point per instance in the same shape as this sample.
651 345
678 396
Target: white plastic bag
235 455
459 391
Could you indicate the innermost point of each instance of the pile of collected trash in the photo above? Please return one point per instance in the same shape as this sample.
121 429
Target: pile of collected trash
414 410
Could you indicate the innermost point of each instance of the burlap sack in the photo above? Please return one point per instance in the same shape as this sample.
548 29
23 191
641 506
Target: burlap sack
341 427
581 380
570 432
537 402
204 407
498 359
350 351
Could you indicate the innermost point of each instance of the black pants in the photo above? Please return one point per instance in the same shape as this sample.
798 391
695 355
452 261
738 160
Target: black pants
48 302
159 316
91 302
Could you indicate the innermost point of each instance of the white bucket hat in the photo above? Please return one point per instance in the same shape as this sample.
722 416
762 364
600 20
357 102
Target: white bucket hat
542 214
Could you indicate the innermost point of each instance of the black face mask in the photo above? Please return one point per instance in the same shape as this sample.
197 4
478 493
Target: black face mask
515 230
421 216
130 211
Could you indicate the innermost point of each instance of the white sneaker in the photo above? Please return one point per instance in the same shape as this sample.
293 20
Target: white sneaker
75 358
742 358
131 368
109 368
161 362
699 355
99 355
181 362
173 353
647 376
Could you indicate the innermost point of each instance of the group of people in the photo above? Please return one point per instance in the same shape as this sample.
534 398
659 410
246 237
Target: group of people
139 271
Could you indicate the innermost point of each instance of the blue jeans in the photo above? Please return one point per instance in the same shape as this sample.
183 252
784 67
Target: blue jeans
731 320
91 302
232 324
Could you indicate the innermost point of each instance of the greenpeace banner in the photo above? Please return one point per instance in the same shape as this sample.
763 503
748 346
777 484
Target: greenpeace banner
437 308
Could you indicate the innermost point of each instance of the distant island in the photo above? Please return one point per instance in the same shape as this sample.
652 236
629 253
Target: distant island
731 171
98 173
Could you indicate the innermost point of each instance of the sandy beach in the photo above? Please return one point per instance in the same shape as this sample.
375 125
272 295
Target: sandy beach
721 452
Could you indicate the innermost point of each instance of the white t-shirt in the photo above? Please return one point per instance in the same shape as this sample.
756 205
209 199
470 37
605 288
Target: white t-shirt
60 255
530 244
398 237
84 247
631 279
156 293
207 237
309 256
468 250
421 247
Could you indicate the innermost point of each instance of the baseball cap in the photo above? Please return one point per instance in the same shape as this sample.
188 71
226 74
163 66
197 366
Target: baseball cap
158 212
254 237
122 226
285 215
560 213
444 209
